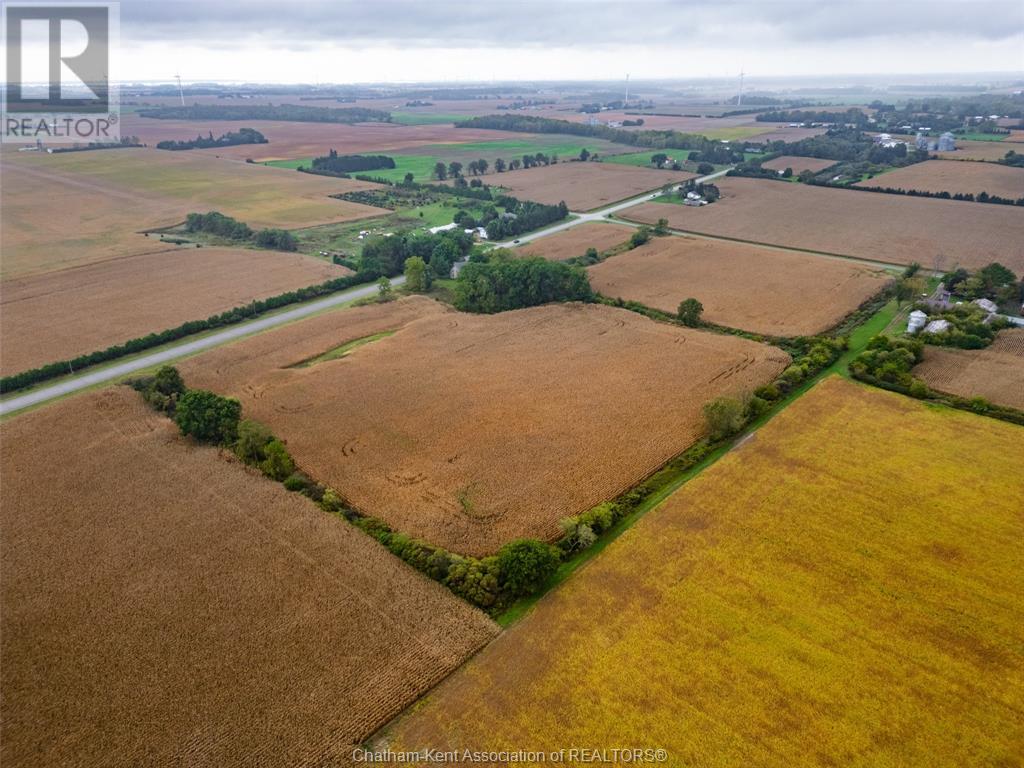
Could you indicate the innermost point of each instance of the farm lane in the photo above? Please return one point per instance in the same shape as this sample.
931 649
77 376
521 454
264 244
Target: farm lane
85 380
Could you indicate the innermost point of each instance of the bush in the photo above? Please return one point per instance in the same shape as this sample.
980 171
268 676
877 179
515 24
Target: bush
168 381
252 440
525 565
277 464
723 416
208 417
640 237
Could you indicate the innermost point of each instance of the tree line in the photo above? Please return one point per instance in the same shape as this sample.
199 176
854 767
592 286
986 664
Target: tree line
216 223
294 113
229 139
332 162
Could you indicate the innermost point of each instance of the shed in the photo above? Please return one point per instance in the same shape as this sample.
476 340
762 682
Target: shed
937 326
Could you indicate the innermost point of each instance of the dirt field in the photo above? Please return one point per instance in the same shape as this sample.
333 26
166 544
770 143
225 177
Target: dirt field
995 373
585 186
780 293
879 227
784 132
843 589
575 241
942 176
798 164
162 606
977 150
84 207
287 140
114 301
480 430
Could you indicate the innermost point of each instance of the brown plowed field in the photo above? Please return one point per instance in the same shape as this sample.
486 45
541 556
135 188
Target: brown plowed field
943 176
83 207
59 315
473 430
764 290
576 240
585 186
867 225
798 164
287 140
162 605
995 373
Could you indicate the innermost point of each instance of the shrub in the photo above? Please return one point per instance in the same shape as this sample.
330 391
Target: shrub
723 417
207 416
168 381
525 565
640 237
278 464
252 440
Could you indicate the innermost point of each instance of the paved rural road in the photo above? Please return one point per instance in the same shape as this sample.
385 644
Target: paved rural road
66 387
598 215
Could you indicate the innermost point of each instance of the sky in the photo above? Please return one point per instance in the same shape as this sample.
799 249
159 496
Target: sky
479 40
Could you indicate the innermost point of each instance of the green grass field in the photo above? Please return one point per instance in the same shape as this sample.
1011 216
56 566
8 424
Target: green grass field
969 136
425 118
421 162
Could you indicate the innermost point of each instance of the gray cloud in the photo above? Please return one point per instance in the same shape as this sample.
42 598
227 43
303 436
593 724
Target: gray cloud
585 23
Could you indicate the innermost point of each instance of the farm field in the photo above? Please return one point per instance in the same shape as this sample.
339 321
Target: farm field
481 432
191 612
758 289
879 227
576 240
294 140
106 198
747 622
113 301
798 164
976 150
585 186
995 373
421 162
943 176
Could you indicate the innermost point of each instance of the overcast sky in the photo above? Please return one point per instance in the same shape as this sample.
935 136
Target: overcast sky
410 40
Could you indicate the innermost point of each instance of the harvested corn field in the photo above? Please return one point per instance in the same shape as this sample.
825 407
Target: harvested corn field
798 164
995 373
488 428
939 234
943 176
576 240
585 186
82 207
845 588
763 290
162 605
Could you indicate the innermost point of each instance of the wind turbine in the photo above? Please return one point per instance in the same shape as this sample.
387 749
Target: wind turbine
739 98
181 93
625 104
